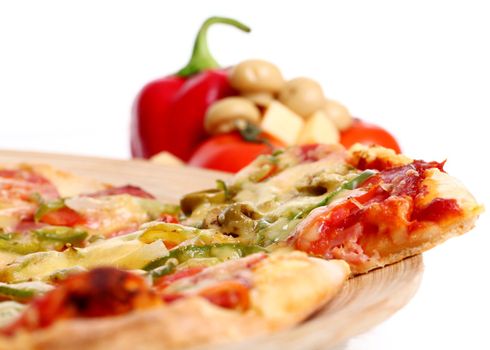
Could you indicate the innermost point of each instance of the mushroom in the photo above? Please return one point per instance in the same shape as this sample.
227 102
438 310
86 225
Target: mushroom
338 114
229 114
303 96
261 99
256 76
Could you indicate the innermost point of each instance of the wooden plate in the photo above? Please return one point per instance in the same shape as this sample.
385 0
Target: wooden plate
364 301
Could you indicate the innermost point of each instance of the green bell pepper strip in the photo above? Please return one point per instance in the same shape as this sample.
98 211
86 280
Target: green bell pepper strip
348 185
43 239
273 232
223 251
23 291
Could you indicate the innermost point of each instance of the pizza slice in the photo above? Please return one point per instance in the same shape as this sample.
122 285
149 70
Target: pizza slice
108 307
367 205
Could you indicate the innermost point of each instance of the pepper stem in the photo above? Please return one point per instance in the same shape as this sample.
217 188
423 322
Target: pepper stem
201 58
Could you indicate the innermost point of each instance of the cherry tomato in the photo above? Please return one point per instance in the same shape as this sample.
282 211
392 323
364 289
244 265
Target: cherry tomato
368 134
230 152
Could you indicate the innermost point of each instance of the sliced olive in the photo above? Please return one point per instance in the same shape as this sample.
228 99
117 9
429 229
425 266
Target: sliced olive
239 220
192 200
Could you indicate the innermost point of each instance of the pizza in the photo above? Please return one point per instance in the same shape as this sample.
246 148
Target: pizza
43 208
366 205
235 299
257 254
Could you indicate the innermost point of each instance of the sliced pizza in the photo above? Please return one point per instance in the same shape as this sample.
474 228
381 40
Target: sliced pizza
194 305
368 205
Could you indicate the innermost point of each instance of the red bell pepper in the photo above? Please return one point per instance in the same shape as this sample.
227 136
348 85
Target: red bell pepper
168 114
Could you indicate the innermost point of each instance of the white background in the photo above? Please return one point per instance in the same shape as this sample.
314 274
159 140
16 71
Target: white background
69 72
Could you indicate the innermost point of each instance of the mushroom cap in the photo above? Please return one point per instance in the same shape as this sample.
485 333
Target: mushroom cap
256 76
229 114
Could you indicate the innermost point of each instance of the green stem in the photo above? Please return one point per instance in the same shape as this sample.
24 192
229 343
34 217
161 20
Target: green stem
201 58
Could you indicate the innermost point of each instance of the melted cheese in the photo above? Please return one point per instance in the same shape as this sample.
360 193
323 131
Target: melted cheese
119 252
283 187
109 214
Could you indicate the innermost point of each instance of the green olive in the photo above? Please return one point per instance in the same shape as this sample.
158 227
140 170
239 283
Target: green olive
303 96
239 220
256 76
192 200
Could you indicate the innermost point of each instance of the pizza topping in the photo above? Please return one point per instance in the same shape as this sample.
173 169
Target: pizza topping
98 293
174 234
385 209
315 152
134 191
122 252
168 218
222 251
226 285
20 192
62 217
437 210
111 215
9 312
42 239
192 201
24 183
23 291
167 280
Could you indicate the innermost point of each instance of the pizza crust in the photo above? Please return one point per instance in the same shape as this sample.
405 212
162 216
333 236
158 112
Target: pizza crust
186 323
193 321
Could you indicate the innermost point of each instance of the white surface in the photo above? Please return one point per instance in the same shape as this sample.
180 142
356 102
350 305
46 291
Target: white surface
70 70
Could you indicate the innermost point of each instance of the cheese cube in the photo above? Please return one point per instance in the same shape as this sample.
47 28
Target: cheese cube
319 129
166 158
282 123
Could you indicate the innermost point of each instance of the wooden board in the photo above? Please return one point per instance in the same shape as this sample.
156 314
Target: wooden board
364 302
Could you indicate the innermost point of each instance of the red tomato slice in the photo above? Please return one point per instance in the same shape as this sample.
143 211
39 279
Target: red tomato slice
63 217
230 152
368 134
